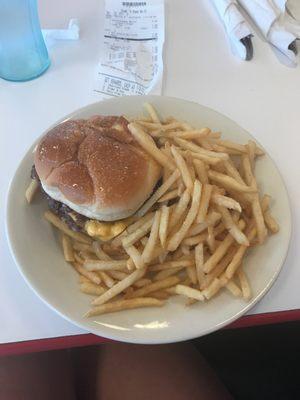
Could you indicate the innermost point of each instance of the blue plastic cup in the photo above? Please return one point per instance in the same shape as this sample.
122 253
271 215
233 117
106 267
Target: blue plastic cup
23 53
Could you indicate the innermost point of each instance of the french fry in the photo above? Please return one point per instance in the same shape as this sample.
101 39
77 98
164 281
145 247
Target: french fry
172 194
229 182
159 193
212 218
211 241
179 236
78 258
105 265
231 145
227 202
138 223
211 161
194 240
233 288
179 209
149 145
135 256
251 148
222 149
86 255
237 259
232 228
32 189
189 162
204 202
197 149
166 172
138 234
182 166
212 289
67 248
163 225
91 288
96 246
92 276
233 172
124 305
157 129
245 286
149 248
192 274
157 252
152 113
236 146
107 280
170 264
167 273
206 145
259 220
118 275
160 295
265 203
199 261
130 265
221 250
248 175
142 282
201 170
57 222
218 270
271 223
189 292
119 287
171 290
193 134
83 279
154 287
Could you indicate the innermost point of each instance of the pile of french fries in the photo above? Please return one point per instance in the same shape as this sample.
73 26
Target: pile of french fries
190 237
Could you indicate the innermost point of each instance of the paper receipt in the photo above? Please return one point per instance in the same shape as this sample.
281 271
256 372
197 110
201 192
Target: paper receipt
132 61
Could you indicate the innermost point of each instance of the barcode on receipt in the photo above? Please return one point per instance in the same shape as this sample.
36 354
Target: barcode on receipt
133 3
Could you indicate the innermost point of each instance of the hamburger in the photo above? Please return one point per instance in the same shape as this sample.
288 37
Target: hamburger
94 174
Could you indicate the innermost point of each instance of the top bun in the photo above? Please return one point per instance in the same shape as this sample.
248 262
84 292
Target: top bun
96 167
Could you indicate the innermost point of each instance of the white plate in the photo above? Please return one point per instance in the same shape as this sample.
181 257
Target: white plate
37 253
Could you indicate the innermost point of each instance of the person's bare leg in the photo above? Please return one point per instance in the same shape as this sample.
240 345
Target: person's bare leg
127 372
39 376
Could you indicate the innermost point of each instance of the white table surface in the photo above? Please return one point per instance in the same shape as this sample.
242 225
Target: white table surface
263 96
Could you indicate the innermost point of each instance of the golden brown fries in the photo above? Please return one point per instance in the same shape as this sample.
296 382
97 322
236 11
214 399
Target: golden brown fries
189 292
190 237
32 189
67 248
163 225
153 287
105 265
120 305
91 289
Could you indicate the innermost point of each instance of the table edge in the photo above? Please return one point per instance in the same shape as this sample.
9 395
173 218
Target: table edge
88 339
